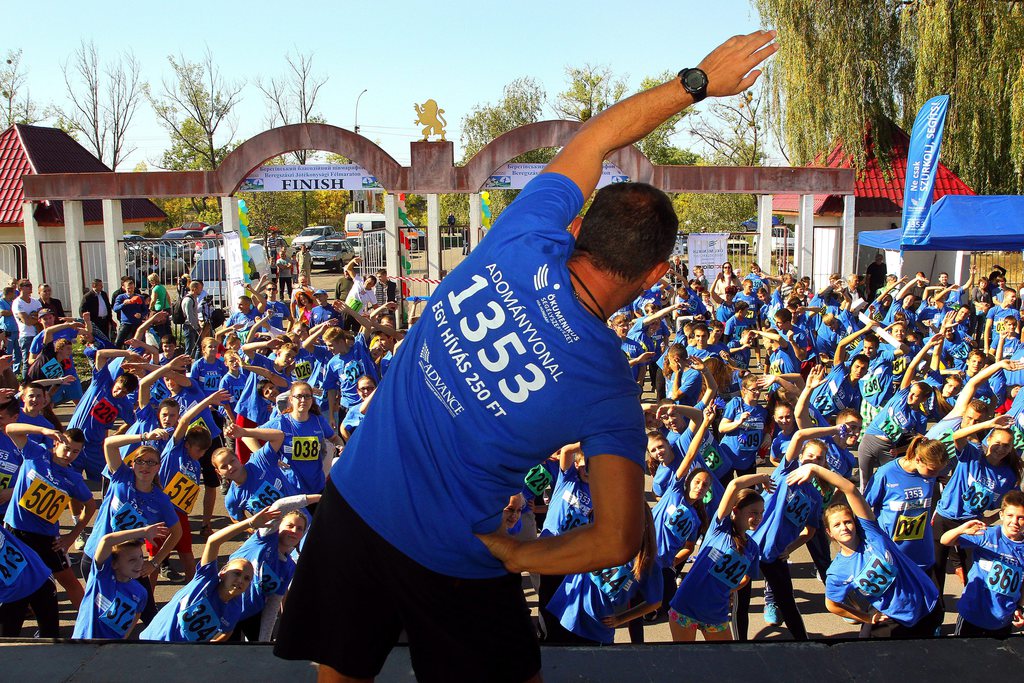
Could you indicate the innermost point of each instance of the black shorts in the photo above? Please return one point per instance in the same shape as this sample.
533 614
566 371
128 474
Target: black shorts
55 560
353 593
211 479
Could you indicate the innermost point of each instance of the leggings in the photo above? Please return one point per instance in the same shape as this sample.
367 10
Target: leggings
556 633
872 454
248 627
43 603
776 574
965 629
241 450
941 525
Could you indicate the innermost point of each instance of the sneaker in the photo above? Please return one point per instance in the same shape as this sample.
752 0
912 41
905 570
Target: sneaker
961 575
771 614
224 486
848 620
168 573
81 540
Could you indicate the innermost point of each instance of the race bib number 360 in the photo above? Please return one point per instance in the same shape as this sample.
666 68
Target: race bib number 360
44 501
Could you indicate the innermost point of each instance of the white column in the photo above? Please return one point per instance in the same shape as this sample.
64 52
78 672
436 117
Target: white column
848 264
433 238
113 232
229 213
476 220
392 258
74 233
805 236
33 256
764 233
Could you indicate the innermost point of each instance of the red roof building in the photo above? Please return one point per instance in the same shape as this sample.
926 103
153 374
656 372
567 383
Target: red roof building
27 150
879 192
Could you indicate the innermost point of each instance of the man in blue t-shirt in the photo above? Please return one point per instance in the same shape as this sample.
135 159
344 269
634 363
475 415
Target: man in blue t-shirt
511 361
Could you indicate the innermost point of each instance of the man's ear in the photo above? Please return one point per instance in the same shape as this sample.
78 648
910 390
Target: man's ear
574 227
655 274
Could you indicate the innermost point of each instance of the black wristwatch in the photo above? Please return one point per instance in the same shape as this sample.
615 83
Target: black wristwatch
694 82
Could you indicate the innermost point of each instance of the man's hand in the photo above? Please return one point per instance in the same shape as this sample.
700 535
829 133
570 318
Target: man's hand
729 65
502 546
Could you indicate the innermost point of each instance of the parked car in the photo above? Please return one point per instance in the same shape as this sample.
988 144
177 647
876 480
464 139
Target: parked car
143 257
314 233
332 253
182 235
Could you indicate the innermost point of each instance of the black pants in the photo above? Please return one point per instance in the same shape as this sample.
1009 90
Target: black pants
248 627
124 333
43 603
965 629
924 628
776 574
284 283
941 525
821 554
556 632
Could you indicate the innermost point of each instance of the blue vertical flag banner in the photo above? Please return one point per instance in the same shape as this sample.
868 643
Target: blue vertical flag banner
922 164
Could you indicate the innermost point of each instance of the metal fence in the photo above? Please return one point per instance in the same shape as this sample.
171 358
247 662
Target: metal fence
13 258
454 246
1012 261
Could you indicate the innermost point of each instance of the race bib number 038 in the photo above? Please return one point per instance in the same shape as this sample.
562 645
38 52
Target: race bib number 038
305 448
44 501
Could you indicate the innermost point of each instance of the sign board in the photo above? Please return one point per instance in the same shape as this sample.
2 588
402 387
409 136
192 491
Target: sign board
294 178
515 176
709 250
234 268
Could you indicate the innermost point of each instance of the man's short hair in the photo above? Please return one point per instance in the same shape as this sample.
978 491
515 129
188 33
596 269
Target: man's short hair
629 229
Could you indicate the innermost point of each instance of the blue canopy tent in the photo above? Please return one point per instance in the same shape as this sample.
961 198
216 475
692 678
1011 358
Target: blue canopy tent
963 223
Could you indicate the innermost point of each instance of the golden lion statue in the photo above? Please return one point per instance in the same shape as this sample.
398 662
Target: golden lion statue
429 116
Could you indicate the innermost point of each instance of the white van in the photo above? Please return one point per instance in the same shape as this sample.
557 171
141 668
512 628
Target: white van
356 223
210 267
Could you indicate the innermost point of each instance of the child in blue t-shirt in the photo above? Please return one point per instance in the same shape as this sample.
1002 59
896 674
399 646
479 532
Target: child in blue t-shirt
208 607
726 561
990 606
114 598
591 606
871 581
743 425
270 552
900 493
25 582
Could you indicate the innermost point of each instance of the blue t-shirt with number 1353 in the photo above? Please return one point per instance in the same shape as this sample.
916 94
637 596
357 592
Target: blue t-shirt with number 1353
504 367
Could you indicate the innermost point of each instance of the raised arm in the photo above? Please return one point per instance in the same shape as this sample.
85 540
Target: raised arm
211 551
854 498
802 410
112 445
911 372
695 442
732 491
841 352
796 444
216 398
729 71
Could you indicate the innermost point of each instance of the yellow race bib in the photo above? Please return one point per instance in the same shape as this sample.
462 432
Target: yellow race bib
909 528
44 501
182 492
305 448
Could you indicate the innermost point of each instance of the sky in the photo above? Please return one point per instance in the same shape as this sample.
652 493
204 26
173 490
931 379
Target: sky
459 53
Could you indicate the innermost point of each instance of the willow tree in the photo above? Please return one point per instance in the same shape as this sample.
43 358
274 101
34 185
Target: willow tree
848 65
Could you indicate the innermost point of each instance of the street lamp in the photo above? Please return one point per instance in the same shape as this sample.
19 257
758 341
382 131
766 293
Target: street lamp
356 126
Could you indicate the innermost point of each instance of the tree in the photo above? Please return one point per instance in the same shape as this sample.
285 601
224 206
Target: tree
849 65
195 108
732 129
17 103
102 102
521 103
292 98
591 90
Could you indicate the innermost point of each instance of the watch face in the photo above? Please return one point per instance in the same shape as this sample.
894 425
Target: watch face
695 79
